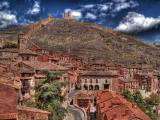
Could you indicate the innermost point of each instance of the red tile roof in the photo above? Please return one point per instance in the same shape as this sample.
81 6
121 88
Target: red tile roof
26 51
9 116
44 66
115 106
98 73
12 50
24 108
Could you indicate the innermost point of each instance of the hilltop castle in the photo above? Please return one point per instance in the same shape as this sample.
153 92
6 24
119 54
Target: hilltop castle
23 37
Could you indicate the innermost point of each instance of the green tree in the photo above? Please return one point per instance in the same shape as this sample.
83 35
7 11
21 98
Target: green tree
137 99
10 45
153 99
48 96
128 95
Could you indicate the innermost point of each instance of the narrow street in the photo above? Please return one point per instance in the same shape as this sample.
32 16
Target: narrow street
74 112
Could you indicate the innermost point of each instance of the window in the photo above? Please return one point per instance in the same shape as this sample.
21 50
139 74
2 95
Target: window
96 80
32 118
85 80
90 80
27 58
106 81
85 87
23 58
96 87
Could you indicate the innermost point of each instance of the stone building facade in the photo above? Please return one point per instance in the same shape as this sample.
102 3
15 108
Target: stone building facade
9 108
98 80
8 102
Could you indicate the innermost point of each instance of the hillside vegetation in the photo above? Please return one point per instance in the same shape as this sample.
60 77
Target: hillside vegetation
90 40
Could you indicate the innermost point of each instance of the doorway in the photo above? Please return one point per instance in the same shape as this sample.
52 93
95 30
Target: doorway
106 86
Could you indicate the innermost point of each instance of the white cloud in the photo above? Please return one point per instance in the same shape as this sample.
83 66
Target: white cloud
35 9
119 1
103 7
90 16
77 14
88 6
24 21
7 18
135 22
123 4
101 10
4 4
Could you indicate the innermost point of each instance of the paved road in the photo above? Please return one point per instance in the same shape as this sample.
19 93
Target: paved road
77 114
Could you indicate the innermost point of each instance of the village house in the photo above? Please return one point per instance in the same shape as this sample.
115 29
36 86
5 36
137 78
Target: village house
9 99
27 55
98 80
8 102
84 98
32 71
8 55
73 81
127 84
111 106
147 83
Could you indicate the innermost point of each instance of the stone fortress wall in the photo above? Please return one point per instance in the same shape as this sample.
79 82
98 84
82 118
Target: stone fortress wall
25 36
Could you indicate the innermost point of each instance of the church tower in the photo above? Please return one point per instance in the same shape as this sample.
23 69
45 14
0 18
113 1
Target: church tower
22 41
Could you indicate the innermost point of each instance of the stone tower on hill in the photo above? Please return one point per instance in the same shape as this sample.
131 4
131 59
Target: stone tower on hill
67 16
50 17
22 41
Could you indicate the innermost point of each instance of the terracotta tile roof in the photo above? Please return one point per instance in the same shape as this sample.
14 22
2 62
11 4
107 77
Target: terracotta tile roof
12 50
9 80
120 112
44 66
128 81
26 51
9 116
98 73
24 108
109 102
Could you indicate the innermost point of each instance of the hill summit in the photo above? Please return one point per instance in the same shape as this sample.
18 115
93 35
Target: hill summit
93 41
86 40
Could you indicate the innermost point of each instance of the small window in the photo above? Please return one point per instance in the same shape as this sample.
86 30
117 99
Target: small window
32 118
106 81
85 80
96 80
90 80
27 58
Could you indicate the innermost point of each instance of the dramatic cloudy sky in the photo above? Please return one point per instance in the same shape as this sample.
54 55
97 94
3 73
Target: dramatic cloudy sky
138 17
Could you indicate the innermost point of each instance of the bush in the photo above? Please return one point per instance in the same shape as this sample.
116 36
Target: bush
10 45
143 104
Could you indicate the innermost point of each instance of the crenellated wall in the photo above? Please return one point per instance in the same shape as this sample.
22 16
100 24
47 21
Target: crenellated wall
24 37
